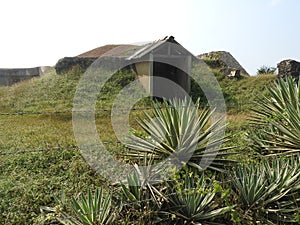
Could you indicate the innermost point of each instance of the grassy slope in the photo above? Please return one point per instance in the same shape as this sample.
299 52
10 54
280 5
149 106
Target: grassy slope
47 93
31 180
241 94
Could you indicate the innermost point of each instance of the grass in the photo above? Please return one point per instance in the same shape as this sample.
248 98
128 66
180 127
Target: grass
240 94
44 93
31 180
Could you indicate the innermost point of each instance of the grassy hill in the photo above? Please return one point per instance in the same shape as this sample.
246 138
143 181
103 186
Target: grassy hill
39 159
241 94
52 92
46 93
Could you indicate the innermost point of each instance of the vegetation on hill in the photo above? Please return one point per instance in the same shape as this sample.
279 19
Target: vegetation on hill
52 92
266 70
240 94
44 178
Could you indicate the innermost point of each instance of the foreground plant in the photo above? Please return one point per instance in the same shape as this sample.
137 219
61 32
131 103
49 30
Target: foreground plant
193 201
140 201
268 192
177 132
92 209
277 120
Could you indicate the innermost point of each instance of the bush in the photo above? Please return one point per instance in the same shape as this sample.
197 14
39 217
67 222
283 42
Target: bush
192 199
266 70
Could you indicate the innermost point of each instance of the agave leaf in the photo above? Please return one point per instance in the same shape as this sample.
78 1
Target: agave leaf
214 213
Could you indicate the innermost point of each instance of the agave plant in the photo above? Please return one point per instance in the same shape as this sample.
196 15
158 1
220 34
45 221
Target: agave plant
277 120
139 197
178 132
192 202
92 209
269 192
137 191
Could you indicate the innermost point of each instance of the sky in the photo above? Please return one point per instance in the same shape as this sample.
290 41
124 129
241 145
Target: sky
255 32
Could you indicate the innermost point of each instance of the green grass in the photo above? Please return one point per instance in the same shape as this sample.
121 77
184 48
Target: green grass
47 93
31 180
240 94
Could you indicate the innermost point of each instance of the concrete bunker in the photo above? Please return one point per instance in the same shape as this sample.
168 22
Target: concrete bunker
164 59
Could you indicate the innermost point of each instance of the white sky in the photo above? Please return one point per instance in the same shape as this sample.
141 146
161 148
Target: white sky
256 32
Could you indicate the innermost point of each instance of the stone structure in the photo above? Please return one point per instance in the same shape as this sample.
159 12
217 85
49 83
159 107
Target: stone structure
225 62
289 67
12 76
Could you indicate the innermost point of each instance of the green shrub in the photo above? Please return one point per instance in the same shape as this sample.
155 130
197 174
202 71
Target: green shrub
192 199
266 70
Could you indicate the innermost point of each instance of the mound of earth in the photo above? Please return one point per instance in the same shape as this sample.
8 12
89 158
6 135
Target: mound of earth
85 59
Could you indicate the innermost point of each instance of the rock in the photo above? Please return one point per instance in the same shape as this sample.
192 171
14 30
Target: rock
289 67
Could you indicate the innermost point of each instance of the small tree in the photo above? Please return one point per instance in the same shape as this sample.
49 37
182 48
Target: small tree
266 70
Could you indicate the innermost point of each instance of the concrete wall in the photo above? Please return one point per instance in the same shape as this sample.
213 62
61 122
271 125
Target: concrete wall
172 73
12 76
